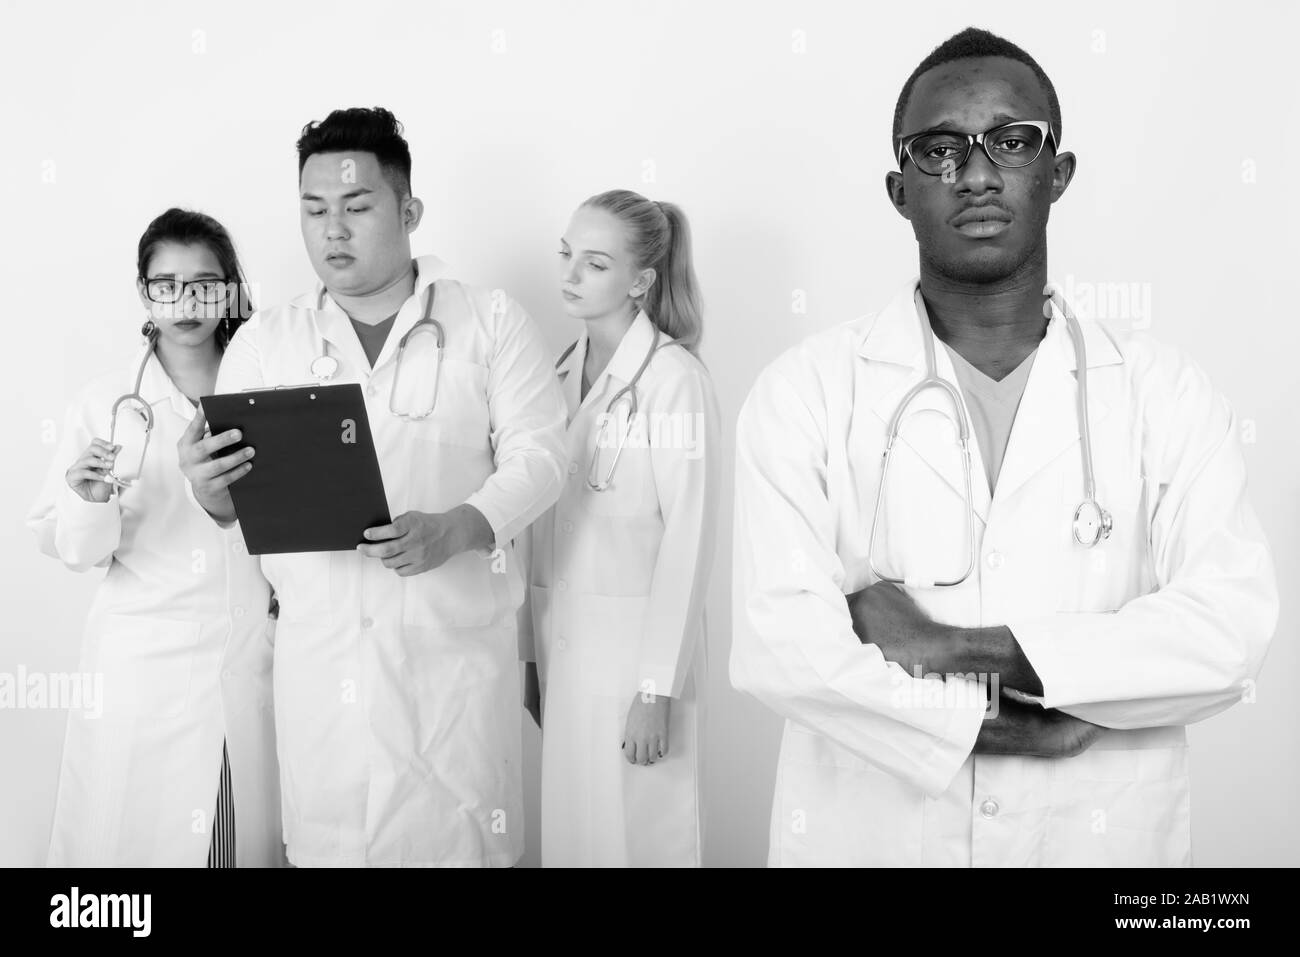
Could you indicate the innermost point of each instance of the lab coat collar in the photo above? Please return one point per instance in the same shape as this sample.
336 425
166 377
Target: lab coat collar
157 386
895 335
333 325
631 351
622 365
1046 422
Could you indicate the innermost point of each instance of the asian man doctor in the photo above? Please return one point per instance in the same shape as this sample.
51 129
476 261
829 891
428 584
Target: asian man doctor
396 678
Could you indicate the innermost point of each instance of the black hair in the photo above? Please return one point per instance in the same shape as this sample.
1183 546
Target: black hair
974 42
358 129
187 227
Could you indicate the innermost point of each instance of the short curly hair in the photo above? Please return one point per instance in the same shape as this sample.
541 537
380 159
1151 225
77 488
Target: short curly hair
974 42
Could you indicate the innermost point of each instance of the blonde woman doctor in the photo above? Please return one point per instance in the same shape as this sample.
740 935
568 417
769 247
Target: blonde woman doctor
620 565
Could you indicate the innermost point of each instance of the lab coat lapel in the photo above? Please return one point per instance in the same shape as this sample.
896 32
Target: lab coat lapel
333 325
631 349
894 348
623 365
1047 420
570 374
428 270
157 386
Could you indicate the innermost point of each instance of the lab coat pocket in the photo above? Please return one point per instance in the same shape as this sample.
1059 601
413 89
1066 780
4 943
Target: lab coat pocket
466 591
1106 576
1123 807
605 637
460 412
449 453
146 664
834 809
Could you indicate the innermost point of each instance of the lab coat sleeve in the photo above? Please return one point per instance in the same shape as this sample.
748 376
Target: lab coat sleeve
241 364
793 645
527 416
684 459
78 533
1194 646
241 368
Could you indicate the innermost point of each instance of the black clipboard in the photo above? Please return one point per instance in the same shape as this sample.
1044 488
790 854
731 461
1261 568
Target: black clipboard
315 484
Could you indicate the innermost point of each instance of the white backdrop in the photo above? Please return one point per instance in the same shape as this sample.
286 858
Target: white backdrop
769 123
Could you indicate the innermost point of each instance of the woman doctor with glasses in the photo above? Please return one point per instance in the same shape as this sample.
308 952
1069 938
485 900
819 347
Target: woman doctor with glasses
171 761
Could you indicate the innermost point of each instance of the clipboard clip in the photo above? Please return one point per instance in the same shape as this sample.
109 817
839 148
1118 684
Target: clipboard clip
276 388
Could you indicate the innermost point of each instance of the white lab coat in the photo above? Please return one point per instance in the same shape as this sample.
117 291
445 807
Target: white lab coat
179 630
618 582
1164 624
397 699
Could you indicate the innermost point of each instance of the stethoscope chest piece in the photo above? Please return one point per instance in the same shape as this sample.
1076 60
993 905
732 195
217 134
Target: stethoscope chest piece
1092 523
324 367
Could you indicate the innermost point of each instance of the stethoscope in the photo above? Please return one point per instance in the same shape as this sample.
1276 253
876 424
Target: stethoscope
628 395
1092 523
325 367
138 404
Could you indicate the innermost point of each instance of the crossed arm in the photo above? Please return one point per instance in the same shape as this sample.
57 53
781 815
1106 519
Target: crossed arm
886 617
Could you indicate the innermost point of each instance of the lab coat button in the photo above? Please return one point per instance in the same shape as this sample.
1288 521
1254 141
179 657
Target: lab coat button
561 644
989 808
238 548
227 673
367 622
239 611
568 526
995 560
573 468
561 584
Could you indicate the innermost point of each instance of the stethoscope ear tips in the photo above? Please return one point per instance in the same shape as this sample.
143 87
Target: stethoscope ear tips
148 329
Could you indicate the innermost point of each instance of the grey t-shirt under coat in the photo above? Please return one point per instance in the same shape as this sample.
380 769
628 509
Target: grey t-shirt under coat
992 404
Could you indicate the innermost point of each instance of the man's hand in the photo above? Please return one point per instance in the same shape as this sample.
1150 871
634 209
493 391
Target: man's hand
645 737
417 542
211 478
885 616
1027 729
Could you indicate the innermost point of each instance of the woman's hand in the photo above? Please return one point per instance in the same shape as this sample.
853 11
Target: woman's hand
645 739
87 476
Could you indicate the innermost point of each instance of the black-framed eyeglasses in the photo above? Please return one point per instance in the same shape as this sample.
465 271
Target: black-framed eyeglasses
1011 146
173 290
